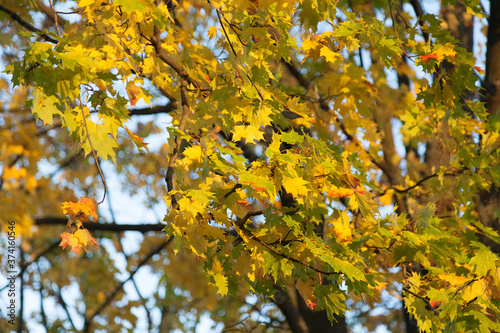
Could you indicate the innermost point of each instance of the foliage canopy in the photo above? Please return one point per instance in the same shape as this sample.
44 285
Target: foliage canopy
327 152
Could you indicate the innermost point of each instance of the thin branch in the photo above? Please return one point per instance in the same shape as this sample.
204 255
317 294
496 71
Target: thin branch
170 107
234 52
51 14
28 26
20 318
55 18
422 298
35 259
61 301
94 153
419 183
185 79
241 222
139 227
281 254
162 54
233 190
419 12
119 288
463 287
42 308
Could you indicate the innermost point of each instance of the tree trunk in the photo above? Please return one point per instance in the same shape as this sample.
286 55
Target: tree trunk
488 201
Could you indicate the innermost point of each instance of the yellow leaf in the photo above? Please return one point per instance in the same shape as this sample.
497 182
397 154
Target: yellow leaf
212 32
296 186
221 283
386 199
476 289
439 53
193 154
342 228
250 133
329 54
454 280
15 173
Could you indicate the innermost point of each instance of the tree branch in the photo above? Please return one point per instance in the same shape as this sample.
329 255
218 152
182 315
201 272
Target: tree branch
290 311
140 227
170 107
162 54
26 25
417 7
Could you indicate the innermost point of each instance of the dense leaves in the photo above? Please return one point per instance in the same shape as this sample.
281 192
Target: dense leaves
335 152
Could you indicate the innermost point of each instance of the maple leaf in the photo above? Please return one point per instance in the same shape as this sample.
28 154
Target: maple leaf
296 186
342 228
78 241
71 240
133 91
85 238
139 142
83 209
435 304
341 192
439 53
329 54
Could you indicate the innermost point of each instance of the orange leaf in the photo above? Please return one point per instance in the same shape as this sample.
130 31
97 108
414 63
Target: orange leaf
311 304
341 192
479 70
78 241
252 184
133 91
83 209
439 53
435 304
139 142
71 240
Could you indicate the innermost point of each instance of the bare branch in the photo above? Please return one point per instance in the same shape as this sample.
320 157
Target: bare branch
140 227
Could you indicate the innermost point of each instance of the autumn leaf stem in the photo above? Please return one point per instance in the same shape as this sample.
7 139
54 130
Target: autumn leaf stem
94 153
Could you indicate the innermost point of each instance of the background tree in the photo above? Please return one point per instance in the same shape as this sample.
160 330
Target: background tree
314 157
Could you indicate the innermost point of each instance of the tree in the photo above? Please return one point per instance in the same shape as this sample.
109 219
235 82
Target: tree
318 156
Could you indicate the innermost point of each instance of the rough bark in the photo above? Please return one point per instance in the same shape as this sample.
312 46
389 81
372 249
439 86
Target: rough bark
488 201
493 60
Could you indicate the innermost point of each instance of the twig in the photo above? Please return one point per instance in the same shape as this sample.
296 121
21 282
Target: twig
422 298
283 255
234 52
417 7
119 288
93 152
55 18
